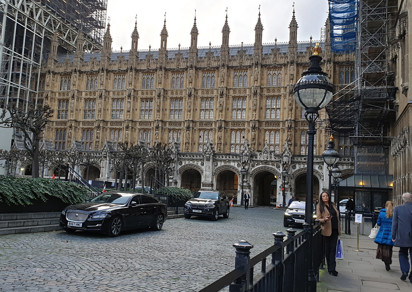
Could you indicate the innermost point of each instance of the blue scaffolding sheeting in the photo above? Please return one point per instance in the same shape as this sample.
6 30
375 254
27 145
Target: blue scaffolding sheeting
343 17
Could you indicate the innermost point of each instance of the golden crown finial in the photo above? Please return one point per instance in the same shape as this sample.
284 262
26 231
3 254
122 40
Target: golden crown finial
316 50
331 138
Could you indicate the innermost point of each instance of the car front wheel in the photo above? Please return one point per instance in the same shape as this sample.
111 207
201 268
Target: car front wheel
226 214
216 215
159 222
187 216
69 230
115 226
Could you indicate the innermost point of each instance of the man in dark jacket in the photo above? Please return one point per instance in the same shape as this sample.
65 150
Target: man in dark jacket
402 234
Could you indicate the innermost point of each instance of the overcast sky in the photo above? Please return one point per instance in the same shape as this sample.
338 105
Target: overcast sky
210 14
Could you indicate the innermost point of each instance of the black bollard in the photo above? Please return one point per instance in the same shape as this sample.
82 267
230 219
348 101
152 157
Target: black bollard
291 246
241 263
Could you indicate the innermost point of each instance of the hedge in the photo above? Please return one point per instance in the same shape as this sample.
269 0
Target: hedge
177 197
27 191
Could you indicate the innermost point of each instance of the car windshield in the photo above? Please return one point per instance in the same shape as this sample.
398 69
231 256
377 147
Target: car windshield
208 195
297 205
119 199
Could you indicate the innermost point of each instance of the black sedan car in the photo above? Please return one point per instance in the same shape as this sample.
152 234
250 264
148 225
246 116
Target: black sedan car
113 212
208 204
295 214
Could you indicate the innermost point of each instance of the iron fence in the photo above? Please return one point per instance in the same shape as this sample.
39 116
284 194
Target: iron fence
283 266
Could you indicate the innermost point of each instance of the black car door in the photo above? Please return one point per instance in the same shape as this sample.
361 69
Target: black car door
150 209
134 218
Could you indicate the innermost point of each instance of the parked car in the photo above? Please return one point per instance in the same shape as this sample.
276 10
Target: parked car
342 206
114 212
208 204
295 214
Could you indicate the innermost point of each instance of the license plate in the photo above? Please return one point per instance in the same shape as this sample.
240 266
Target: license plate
197 211
299 221
74 224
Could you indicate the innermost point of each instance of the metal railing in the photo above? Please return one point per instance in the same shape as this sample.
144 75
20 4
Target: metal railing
76 177
283 266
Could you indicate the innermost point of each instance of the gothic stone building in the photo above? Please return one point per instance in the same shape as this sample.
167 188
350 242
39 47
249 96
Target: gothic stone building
227 107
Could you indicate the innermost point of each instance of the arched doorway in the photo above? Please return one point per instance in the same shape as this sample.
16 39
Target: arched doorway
149 177
300 188
60 171
91 172
191 180
227 181
264 189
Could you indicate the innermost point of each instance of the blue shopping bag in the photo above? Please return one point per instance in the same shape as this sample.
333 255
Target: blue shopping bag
339 250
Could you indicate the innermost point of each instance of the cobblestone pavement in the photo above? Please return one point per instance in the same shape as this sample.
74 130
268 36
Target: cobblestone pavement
186 255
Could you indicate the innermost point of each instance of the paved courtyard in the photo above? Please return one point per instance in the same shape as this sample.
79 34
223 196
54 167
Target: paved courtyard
186 255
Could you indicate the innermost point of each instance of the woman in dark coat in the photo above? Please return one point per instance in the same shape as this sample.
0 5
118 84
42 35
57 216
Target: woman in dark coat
328 216
384 236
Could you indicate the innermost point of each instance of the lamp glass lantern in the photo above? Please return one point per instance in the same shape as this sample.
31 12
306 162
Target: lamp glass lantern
330 155
336 172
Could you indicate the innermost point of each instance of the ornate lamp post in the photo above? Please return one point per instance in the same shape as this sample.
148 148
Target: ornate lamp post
337 174
313 91
243 172
331 157
284 176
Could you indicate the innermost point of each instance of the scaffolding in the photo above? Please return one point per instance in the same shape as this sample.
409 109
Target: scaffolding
27 27
364 108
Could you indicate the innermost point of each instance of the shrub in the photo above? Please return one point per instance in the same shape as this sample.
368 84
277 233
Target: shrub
25 191
177 197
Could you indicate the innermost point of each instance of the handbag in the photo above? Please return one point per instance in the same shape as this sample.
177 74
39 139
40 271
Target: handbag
339 250
374 231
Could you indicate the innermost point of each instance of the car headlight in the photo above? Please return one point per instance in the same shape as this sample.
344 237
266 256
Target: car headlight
64 212
100 215
210 206
287 213
188 204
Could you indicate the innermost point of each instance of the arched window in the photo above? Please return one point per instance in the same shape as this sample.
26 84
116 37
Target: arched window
269 83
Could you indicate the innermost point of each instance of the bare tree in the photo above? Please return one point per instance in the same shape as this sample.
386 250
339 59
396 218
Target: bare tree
30 123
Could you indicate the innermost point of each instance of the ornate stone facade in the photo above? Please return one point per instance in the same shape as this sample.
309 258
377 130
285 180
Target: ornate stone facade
229 108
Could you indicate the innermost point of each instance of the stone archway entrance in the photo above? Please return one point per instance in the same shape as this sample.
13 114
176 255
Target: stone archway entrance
191 180
148 178
91 172
264 189
227 181
300 188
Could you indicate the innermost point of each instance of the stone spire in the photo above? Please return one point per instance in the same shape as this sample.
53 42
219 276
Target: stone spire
53 48
163 36
224 49
135 39
107 44
293 29
193 43
194 33
225 34
79 54
258 36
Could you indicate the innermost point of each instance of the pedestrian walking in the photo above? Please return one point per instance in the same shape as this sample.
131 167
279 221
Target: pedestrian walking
328 216
350 207
384 236
402 234
291 200
247 197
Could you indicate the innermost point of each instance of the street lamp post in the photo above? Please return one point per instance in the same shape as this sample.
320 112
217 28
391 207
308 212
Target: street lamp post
337 174
243 172
331 157
313 91
284 174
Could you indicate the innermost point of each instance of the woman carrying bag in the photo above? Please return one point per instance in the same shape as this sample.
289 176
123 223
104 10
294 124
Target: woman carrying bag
328 216
384 236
